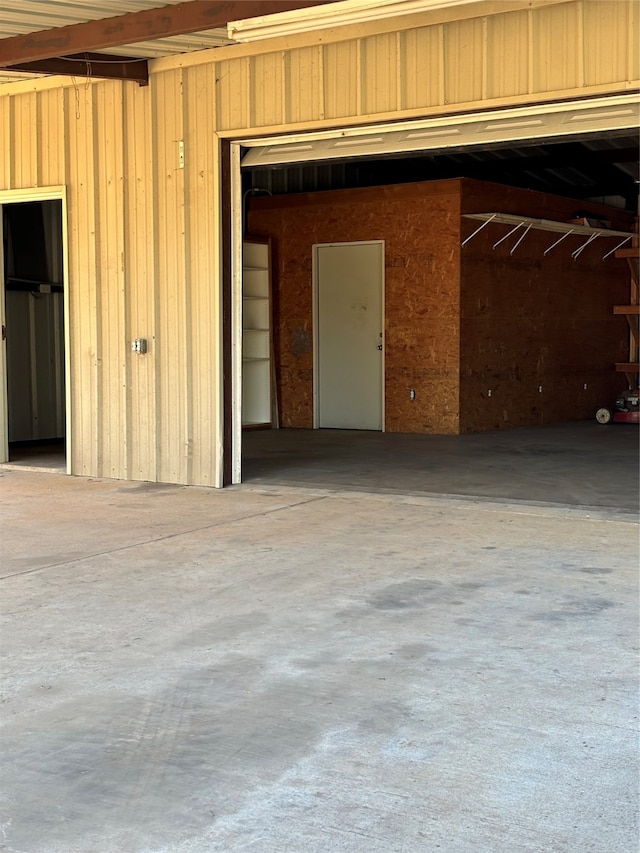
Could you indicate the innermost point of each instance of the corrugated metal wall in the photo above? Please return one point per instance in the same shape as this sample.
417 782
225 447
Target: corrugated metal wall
144 247
561 49
143 262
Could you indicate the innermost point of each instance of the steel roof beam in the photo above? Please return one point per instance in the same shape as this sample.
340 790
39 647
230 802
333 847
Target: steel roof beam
163 22
103 65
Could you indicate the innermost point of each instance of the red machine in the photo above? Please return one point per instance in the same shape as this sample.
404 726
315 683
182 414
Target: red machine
627 409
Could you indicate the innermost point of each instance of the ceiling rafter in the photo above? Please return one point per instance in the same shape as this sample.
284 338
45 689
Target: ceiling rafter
107 66
65 46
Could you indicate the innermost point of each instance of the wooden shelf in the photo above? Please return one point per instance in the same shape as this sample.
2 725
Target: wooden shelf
549 225
631 311
257 345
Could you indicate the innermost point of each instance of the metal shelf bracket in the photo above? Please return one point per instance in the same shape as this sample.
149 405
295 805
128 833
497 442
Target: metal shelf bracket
566 229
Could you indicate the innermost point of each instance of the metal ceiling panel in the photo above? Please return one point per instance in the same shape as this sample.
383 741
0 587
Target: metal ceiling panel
29 16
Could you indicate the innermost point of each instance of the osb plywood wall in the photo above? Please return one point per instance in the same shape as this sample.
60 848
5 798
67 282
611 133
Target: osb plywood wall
458 324
420 225
537 329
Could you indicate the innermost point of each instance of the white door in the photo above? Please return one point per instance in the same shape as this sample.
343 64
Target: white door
4 420
349 280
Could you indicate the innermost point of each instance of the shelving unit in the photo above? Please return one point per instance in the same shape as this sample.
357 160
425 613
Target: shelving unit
521 225
631 368
257 348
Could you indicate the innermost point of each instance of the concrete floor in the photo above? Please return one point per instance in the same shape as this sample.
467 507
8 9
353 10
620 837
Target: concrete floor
582 464
297 670
37 456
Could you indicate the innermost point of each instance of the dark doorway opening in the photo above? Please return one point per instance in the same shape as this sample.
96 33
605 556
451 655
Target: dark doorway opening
35 335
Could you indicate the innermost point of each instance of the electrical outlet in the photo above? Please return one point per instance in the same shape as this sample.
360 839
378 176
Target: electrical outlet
139 345
412 393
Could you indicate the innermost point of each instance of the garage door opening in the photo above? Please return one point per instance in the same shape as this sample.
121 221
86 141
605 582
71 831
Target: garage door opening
33 297
594 167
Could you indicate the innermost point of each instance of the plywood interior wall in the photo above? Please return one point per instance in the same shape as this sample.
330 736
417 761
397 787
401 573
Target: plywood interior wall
420 225
538 331
487 340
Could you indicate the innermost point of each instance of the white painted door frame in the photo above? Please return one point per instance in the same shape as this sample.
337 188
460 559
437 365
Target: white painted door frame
237 227
316 325
57 193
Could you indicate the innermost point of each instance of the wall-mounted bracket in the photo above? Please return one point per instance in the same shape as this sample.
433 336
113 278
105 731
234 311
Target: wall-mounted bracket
506 236
559 240
478 229
566 229
577 252
521 238
615 248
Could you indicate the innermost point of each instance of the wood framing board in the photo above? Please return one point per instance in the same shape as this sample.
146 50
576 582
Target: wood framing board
548 224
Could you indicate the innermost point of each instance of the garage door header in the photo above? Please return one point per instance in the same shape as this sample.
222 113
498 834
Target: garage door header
536 122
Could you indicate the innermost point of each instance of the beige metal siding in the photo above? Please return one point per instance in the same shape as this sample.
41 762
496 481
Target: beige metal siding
172 289
143 262
24 141
84 309
50 120
422 67
304 84
378 78
204 354
110 281
550 50
611 41
140 266
232 91
267 103
340 96
507 64
465 52
144 234
6 147
556 54
633 40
